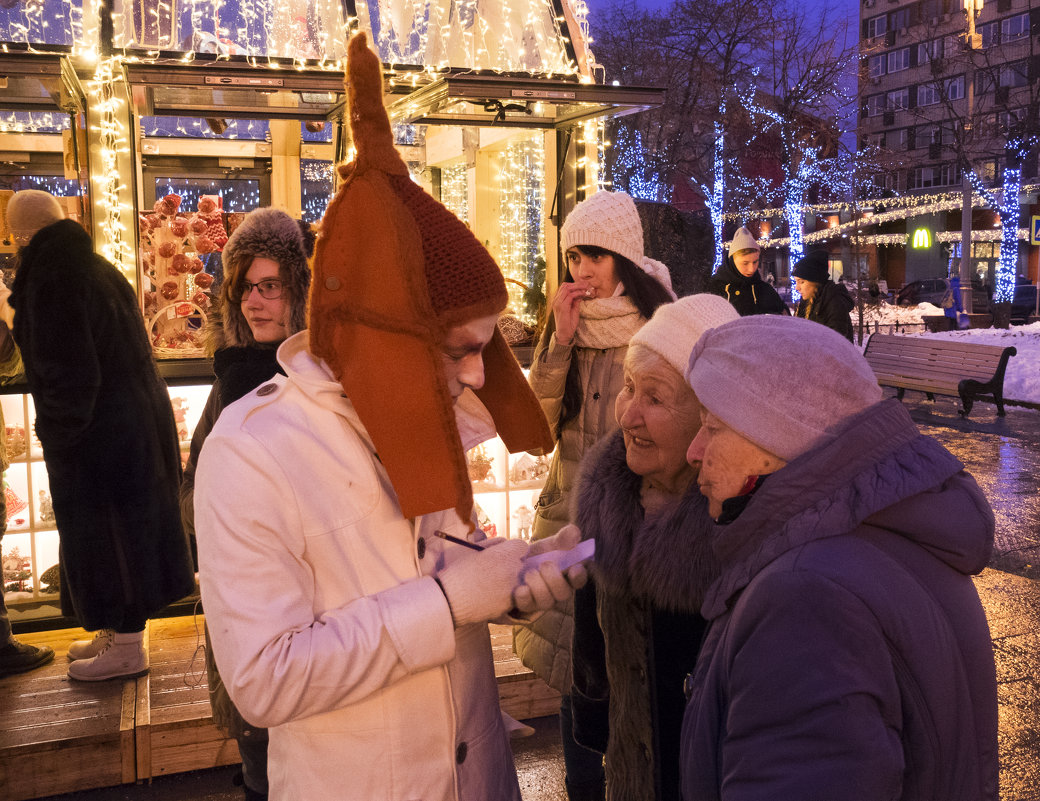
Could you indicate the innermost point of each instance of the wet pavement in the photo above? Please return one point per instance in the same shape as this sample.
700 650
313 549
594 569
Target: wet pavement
1004 456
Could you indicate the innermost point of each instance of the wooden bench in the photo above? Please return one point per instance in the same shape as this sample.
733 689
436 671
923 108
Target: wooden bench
939 367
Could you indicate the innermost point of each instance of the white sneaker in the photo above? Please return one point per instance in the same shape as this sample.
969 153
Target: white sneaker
85 649
123 657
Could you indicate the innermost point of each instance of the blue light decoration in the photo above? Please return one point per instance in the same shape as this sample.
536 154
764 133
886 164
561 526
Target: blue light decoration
198 128
715 195
1017 147
635 170
315 188
237 194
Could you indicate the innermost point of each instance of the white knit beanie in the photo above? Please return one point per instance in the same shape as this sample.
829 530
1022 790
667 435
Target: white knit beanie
743 239
781 382
606 220
676 327
29 211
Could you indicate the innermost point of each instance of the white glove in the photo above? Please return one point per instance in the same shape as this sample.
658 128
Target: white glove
479 586
545 586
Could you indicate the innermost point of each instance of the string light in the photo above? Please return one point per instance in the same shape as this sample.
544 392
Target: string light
520 182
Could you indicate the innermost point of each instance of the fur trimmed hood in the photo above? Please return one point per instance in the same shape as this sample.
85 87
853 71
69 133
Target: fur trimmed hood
668 560
273 234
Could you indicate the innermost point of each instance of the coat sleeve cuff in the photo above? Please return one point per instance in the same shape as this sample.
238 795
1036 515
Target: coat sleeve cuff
418 621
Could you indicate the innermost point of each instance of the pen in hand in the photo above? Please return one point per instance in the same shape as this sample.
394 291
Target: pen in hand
458 541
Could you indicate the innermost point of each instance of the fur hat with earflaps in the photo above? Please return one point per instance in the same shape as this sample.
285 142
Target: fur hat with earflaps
273 234
394 270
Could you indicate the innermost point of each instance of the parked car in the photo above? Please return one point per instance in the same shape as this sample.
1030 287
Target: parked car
927 290
1024 304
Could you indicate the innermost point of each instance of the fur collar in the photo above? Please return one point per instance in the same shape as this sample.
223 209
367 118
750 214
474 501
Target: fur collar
668 560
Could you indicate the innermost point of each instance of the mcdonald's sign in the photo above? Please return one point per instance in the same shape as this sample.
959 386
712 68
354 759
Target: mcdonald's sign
922 238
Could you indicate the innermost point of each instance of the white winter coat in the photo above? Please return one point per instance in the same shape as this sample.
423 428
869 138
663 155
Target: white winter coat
327 624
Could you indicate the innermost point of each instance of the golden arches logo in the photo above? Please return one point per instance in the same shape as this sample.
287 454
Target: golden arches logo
922 238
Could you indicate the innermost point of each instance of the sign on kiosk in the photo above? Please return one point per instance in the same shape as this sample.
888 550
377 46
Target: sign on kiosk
1034 230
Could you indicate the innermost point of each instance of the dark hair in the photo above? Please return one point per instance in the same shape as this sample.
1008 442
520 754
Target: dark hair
645 291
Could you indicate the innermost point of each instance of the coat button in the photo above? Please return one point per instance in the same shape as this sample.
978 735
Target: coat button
595 396
332 283
421 547
267 389
460 753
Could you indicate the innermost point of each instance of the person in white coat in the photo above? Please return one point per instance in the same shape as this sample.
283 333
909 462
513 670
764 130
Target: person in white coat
341 617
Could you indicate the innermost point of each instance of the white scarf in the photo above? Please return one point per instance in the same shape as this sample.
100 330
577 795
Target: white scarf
607 322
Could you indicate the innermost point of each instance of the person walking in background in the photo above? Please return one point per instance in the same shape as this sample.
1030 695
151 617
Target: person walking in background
15 656
637 623
611 289
738 279
347 589
823 301
848 655
104 419
262 301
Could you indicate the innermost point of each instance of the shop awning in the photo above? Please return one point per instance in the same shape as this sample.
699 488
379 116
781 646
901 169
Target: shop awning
238 90
521 102
39 82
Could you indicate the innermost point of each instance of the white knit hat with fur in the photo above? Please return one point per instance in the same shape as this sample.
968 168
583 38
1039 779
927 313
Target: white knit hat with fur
30 211
781 382
676 327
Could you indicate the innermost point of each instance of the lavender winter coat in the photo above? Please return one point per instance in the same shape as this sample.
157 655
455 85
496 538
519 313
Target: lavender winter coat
849 655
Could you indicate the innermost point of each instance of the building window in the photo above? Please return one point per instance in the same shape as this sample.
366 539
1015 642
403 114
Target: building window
929 51
990 33
897 140
921 178
1016 27
950 174
899 60
928 135
927 94
899 99
876 66
1015 74
955 88
875 105
876 26
900 18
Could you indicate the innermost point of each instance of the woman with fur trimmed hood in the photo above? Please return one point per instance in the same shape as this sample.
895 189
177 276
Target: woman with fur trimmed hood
637 624
262 301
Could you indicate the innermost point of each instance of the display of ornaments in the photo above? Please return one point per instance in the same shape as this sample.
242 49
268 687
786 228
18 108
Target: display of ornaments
173 240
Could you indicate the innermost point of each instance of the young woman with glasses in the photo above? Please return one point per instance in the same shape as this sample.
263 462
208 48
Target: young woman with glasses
262 301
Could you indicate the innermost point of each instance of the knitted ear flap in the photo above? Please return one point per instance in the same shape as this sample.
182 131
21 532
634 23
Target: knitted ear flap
373 322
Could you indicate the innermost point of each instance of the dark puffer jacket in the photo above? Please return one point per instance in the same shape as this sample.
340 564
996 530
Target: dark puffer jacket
747 295
637 629
830 307
105 421
849 655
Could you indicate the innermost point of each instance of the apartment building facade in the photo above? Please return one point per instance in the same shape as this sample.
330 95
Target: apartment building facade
933 97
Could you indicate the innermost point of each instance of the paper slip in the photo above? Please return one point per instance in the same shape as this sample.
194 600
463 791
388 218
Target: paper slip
581 552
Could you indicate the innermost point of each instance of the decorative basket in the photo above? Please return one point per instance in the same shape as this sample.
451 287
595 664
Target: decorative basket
177 310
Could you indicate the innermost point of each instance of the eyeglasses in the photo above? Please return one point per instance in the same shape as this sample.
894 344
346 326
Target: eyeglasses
269 289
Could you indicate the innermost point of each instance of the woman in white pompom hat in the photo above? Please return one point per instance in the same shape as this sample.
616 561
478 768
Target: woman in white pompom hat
610 290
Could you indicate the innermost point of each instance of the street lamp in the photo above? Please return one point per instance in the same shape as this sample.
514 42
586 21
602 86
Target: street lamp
972 41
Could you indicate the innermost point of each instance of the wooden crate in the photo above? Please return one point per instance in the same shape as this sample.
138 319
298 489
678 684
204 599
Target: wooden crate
175 731
57 735
521 693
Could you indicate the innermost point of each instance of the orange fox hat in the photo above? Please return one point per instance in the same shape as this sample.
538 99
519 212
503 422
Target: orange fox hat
394 270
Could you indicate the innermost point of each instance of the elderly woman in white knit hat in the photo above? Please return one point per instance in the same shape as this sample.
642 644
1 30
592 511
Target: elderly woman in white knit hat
610 290
637 623
848 654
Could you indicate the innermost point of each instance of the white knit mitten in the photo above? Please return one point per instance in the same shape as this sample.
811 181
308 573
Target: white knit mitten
479 586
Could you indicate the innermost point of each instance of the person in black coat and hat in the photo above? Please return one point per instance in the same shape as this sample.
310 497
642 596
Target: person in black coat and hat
739 281
104 419
823 301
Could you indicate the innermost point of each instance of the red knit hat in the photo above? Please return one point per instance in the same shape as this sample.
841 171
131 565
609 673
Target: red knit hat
394 270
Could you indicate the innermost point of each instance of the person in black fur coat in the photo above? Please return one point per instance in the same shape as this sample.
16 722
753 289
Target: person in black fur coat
262 301
637 627
739 281
104 419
